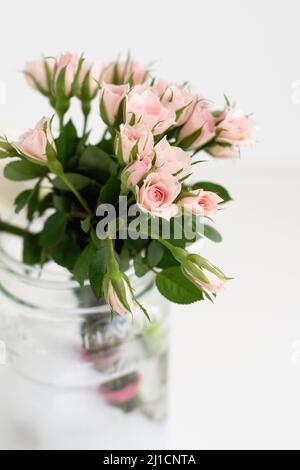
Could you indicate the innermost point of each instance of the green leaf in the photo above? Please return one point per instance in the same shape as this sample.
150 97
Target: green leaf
215 188
54 229
45 203
97 164
173 285
65 253
155 253
32 250
67 142
97 271
212 234
110 191
86 224
167 260
33 202
21 200
79 182
62 202
22 170
140 267
82 265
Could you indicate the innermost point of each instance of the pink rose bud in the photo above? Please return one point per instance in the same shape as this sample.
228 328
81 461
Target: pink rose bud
137 170
144 106
137 137
39 74
112 98
174 97
33 144
115 302
172 160
157 195
201 202
214 284
236 128
223 151
199 129
202 273
68 62
122 72
89 76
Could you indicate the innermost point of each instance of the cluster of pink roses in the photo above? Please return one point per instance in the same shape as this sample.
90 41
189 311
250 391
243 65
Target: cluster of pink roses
155 128
157 173
143 116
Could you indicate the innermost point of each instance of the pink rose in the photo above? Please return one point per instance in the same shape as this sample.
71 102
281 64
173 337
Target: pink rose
237 128
215 284
138 169
36 73
138 136
172 160
111 98
157 195
203 121
144 106
68 61
33 143
201 202
115 302
222 151
94 71
122 72
174 97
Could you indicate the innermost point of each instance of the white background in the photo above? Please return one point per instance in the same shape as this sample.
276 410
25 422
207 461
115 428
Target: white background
235 366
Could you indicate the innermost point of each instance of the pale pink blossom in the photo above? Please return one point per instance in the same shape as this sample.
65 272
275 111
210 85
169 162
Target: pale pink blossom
138 169
111 98
201 120
130 70
172 160
176 98
115 302
70 62
33 143
139 136
223 151
144 106
94 71
236 128
36 73
201 202
157 195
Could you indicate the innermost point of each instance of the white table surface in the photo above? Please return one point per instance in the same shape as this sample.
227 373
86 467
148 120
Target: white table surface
235 365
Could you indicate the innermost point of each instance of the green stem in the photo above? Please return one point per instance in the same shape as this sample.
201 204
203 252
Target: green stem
86 109
85 123
13 229
76 193
61 122
179 253
112 263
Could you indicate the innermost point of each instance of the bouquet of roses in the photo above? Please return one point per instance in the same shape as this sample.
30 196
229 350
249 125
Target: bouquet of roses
126 199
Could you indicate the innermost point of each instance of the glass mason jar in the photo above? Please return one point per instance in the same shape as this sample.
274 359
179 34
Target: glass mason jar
68 350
